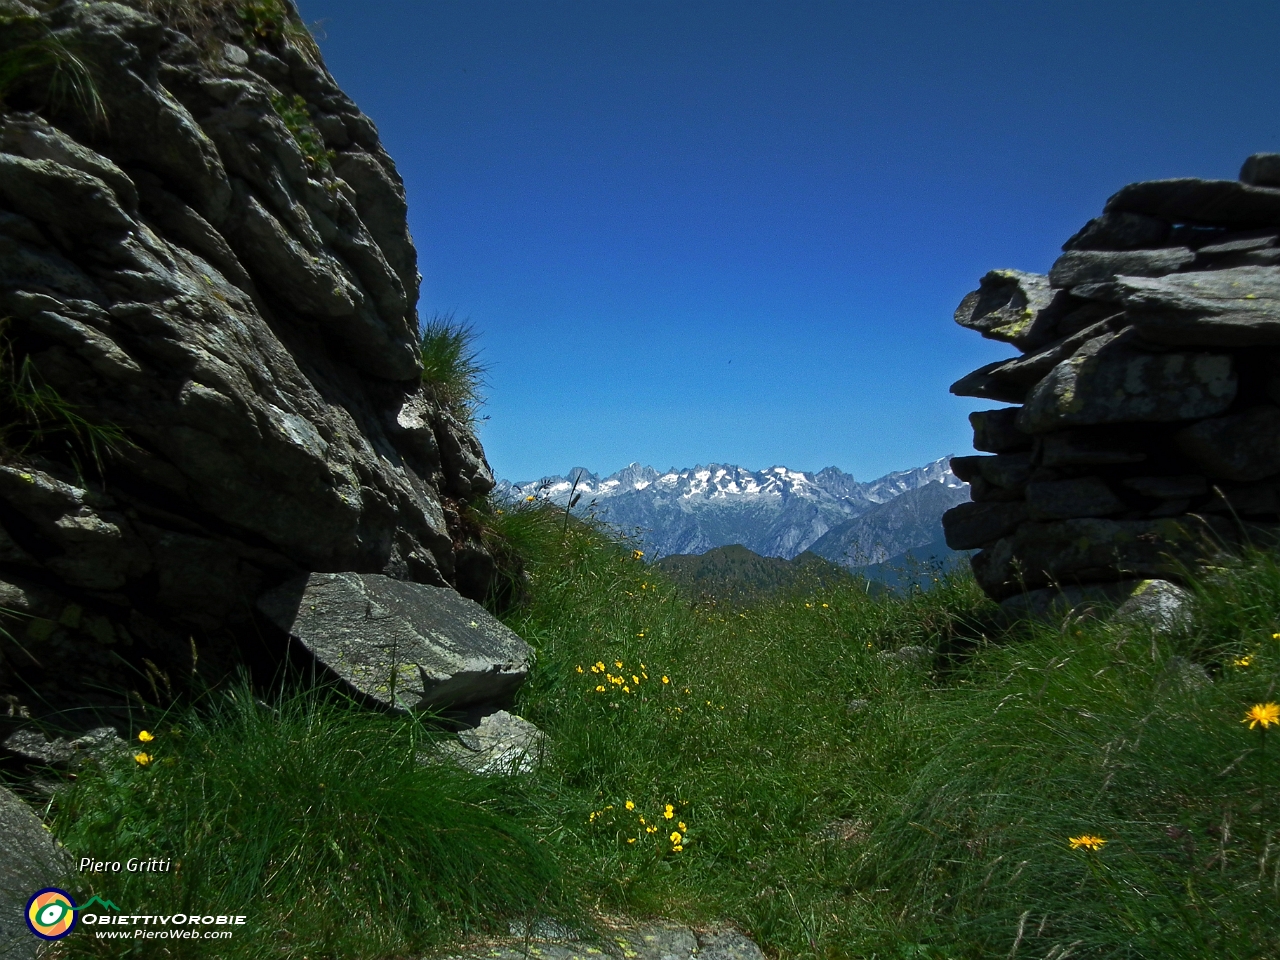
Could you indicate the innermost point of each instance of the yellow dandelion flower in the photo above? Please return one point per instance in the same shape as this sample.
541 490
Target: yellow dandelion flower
626 689
677 847
142 759
618 664
666 679
1262 713
600 688
686 689
639 634
642 821
668 811
630 805
1088 841
580 670
637 554
675 836
682 826
1275 636
631 839
824 606
146 736
650 829
1244 661
642 666
634 678
529 499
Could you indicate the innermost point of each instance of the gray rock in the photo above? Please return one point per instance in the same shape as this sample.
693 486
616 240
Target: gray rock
996 431
1065 499
1239 306
1181 676
403 645
1085 447
1108 381
1261 170
1119 231
1014 378
1177 486
246 315
1066 552
502 743
30 860
1240 446
1009 470
1076 601
1190 200
728 945
971 526
650 940
1077 267
33 744
911 656
1158 603
1012 306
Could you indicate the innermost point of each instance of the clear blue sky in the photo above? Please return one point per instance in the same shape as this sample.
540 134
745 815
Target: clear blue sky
737 231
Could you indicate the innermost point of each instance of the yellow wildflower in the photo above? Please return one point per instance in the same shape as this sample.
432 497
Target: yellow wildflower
649 829
626 689
634 678
630 805
1262 713
618 664
824 606
142 758
669 811
1243 661
682 826
579 669
1088 841
677 848
600 689
146 736
675 836
631 839
529 499
666 679
637 554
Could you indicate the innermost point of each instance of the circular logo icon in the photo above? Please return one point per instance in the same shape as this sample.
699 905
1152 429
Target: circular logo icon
51 913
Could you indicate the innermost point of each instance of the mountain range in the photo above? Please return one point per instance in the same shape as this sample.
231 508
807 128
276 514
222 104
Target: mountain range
776 512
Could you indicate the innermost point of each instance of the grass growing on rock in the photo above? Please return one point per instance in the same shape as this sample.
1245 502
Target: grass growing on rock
842 775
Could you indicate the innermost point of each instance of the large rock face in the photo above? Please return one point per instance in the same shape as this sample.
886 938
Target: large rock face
209 255
1148 436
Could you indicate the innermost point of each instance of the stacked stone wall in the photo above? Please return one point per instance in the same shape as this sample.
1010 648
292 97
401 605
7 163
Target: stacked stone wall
1144 436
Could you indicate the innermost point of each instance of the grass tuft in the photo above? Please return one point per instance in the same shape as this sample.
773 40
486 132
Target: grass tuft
451 367
336 831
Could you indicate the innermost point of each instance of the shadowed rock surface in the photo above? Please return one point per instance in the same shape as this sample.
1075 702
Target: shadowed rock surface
29 861
213 261
1148 436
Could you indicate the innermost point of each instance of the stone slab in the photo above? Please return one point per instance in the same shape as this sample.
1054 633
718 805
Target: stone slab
407 646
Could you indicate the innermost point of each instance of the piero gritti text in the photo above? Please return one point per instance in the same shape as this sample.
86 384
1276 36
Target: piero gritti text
132 865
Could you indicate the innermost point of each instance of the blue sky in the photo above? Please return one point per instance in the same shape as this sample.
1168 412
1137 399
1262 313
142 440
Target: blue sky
736 232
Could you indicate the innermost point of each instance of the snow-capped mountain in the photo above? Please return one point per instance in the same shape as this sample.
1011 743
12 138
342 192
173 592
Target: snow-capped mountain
776 512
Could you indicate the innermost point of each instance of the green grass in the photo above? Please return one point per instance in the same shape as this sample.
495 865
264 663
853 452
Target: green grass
332 829
849 776
35 62
451 367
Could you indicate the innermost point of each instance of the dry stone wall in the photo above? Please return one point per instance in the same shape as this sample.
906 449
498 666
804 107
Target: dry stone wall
1144 435
203 245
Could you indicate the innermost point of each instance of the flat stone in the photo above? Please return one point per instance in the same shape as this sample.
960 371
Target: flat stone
404 645
1077 267
1241 446
1182 485
1119 231
1158 603
1082 447
1261 170
1005 469
30 860
988 382
971 526
1239 306
1011 306
502 744
1191 200
996 431
1108 381
1014 378
1065 499
1067 552
32 744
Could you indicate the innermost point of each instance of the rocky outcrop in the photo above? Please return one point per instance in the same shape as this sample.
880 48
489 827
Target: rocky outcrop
30 860
1147 432
212 383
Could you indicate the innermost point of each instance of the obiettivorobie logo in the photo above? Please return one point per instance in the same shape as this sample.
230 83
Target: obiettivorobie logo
52 914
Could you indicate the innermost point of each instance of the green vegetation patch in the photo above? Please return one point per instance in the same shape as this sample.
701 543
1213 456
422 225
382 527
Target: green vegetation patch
451 367
336 831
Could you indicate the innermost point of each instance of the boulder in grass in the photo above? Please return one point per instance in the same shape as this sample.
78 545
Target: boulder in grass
406 646
29 861
1164 605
